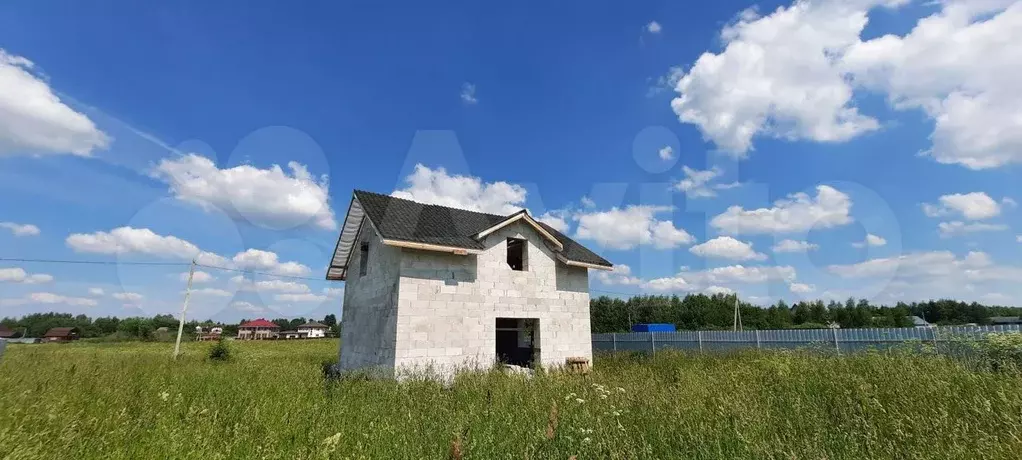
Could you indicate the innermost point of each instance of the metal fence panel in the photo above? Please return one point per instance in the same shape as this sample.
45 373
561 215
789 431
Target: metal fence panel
843 340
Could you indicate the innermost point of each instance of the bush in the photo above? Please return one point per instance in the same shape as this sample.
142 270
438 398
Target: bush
219 351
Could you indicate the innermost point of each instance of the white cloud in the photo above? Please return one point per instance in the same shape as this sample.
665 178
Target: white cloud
269 197
777 76
630 227
797 213
557 219
306 297
918 264
958 228
333 292
971 206
794 246
48 298
959 67
692 281
213 292
871 241
435 186
468 94
34 121
654 27
130 240
20 229
1018 238
714 290
792 74
96 291
266 261
18 275
666 153
198 277
621 275
247 307
726 247
292 287
587 202
697 184
132 297
801 288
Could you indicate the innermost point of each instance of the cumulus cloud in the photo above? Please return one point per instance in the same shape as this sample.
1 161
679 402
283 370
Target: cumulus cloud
870 241
801 288
20 229
141 241
20 276
799 212
306 297
959 228
792 74
436 186
98 292
692 281
666 153
276 285
794 246
630 227
557 219
131 297
49 298
34 121
198 277
654 27
259 260
212 292
726 247
468 94
270 197
699 183
621 275
971 206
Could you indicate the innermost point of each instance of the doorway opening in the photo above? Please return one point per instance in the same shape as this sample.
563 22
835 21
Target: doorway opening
518 341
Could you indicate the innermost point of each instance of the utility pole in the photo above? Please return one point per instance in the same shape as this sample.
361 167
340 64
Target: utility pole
184 308
738 316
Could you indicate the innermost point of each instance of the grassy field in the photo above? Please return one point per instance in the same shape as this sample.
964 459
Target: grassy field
270 401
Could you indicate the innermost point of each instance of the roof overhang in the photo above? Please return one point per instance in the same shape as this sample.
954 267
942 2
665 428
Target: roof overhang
431 247
338 269
522 215
575 263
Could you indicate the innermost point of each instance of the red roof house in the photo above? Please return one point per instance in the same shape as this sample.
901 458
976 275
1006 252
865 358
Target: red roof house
259 329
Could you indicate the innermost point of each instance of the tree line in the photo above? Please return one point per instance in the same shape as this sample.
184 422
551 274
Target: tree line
135 328
705 312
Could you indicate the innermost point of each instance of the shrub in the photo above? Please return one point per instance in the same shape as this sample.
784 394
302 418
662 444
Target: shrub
220 351
1003 351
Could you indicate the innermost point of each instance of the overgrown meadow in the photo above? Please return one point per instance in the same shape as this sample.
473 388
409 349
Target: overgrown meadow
130 400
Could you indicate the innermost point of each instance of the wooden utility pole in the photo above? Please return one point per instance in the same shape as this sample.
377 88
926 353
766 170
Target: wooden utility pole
184 308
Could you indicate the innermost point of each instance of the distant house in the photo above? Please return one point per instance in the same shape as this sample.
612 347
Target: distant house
6 333
314 330
290 335
1004 320
213 334
919 322
259 329
61 334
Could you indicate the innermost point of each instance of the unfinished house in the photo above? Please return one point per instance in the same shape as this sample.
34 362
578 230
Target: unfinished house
435 288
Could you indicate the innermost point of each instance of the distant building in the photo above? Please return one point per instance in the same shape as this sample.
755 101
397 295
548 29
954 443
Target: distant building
1004 320
213 334
313 330
259 329
291 335
6 333
61 334
919 322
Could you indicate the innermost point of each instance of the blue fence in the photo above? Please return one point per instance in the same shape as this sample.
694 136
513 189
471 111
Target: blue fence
838 339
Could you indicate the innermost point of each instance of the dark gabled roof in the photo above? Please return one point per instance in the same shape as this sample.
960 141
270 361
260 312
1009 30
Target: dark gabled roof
61 332
406 220
6 333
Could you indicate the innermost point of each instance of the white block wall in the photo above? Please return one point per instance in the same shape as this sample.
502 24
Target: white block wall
448 304
369 317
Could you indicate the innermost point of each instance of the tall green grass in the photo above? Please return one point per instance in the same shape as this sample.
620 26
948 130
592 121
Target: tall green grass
270 401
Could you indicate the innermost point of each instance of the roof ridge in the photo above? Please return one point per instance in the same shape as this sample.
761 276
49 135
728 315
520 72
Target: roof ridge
392 197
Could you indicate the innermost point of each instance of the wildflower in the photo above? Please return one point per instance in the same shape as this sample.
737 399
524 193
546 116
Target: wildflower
603 396
586 440
580 400
164 395
620 390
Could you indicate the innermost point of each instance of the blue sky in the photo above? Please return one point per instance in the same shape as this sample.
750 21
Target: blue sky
820 149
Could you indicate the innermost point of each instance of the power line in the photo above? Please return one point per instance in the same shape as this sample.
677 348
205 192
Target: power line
258 273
